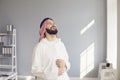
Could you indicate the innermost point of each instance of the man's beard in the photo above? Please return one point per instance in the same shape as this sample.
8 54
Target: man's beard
52 32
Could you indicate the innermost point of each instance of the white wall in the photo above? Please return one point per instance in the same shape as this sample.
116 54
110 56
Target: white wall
0 16
112 32
71 16
113 44
118 60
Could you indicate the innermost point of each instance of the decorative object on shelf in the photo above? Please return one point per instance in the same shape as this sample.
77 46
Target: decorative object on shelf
106 72
10 28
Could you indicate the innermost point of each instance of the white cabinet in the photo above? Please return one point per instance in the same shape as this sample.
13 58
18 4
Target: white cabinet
8 58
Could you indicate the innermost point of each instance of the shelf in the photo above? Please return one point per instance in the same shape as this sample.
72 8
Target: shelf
8 45
8 76
6 34
5 55
5 73
3 34
5 66
8 63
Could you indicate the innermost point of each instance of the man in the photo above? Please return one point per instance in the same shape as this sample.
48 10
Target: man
50 59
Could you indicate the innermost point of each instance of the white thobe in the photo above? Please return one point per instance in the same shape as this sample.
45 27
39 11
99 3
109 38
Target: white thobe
44 59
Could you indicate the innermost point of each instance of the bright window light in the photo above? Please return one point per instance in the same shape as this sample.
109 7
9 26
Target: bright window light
28 78
87 60
87 27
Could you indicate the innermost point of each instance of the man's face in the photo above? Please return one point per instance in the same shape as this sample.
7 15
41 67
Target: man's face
51 27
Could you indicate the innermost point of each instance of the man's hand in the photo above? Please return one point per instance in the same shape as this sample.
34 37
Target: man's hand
61 66
60 63
61 71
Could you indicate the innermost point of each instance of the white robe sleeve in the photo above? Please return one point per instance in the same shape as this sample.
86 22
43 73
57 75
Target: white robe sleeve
66 57
36 68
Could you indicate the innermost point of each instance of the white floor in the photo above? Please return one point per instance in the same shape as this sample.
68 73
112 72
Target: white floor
31 78
83 79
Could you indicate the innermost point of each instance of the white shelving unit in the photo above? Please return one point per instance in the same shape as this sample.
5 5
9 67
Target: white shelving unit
8 58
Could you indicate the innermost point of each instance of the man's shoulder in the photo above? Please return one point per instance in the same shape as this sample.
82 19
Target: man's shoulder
42 42
60 41
39 44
